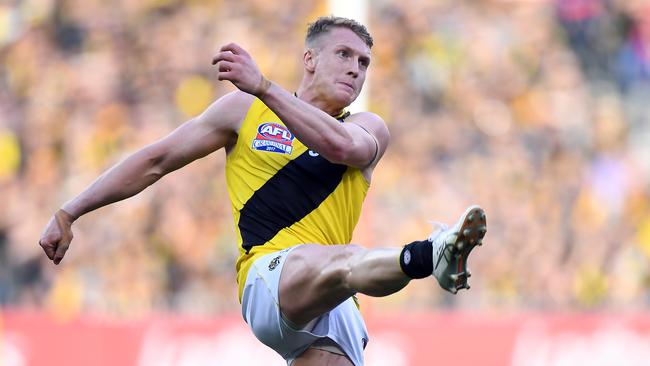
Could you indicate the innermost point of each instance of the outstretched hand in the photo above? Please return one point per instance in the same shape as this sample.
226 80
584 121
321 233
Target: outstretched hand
57 236
238 67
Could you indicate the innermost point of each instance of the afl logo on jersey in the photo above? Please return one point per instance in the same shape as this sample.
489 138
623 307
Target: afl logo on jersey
273 137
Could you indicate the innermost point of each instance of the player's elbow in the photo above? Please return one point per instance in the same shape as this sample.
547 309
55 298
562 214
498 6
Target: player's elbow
339 151
349 154
155 164
149 173
338 155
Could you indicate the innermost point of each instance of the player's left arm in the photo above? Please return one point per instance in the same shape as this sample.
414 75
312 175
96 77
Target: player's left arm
359 142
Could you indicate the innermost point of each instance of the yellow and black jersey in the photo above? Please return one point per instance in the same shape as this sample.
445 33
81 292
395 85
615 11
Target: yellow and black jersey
283 194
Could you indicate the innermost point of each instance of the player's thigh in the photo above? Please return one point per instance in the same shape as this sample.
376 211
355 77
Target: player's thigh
314 280
316 357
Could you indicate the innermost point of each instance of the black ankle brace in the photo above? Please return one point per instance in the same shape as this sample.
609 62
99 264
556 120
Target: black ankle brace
416 259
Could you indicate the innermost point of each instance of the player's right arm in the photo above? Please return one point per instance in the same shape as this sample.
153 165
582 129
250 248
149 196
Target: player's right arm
215 128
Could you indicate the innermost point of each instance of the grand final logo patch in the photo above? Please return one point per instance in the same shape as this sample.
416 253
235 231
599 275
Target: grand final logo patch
273 137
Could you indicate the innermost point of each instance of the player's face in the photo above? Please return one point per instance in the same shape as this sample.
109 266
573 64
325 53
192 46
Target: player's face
341 64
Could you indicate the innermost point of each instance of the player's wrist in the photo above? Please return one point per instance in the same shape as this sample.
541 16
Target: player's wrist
66 214
262 87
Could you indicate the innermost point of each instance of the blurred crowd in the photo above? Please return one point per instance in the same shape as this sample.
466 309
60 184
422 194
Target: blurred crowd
536 110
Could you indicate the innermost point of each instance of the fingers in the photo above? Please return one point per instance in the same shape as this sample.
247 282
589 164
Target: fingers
225 66
235 48
226 76
48 247
224 56
235 65
50 239
64 224
226 70
60 252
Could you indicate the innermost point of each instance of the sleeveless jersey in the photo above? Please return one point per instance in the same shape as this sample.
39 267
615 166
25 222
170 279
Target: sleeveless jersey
284 194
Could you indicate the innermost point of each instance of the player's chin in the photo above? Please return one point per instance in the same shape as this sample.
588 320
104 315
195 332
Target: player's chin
345 98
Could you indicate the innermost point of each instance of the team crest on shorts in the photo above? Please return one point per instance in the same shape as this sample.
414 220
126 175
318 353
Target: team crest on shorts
274 262
273 137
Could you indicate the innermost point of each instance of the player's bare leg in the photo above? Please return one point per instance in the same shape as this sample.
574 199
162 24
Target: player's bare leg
316 357
316 278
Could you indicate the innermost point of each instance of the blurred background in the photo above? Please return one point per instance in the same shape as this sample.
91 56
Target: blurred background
537 110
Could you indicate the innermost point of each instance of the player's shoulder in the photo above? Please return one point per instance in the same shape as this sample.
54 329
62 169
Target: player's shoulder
370 121
228 110
368 117
236 100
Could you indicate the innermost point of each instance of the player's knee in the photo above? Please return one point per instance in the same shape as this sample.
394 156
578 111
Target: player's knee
334 267
320 275
344 266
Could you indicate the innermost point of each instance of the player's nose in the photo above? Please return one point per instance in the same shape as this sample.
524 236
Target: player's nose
353 71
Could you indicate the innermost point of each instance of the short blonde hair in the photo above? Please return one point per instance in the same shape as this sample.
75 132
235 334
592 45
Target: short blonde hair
323 25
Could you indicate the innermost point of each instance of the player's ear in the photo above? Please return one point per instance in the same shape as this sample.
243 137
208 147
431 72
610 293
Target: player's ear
309 59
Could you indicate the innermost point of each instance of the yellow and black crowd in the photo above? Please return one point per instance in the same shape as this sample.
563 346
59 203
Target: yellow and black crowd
536 110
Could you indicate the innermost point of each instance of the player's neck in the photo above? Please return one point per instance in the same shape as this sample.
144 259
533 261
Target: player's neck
308 95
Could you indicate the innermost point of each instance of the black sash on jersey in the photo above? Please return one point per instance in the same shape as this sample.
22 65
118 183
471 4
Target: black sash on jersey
291 194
